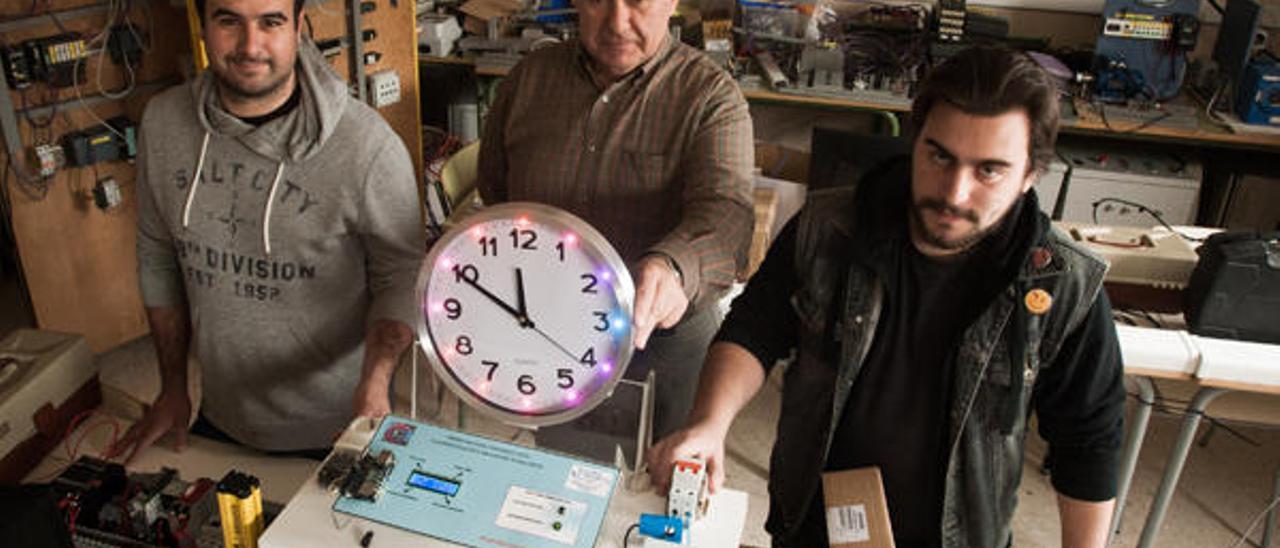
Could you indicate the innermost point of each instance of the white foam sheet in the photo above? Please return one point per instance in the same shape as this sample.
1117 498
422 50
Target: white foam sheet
1164 350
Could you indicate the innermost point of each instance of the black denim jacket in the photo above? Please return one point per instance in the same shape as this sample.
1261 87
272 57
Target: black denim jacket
838 300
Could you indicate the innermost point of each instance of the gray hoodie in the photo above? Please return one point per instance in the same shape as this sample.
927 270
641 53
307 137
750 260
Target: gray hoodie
293 237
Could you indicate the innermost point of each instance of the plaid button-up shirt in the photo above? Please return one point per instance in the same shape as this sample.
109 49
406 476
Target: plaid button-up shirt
659 161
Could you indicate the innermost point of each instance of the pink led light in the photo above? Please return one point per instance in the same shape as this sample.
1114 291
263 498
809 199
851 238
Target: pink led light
522 221
437 308
607 367
484 387
571 396
446 263
606 275
526 403
478 231
570 238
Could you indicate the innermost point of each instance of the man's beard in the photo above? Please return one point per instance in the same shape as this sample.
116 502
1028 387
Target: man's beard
964 241
230 87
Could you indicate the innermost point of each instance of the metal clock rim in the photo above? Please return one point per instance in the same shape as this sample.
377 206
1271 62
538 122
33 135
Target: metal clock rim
624 292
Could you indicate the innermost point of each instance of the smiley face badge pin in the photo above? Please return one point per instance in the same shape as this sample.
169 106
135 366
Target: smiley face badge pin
1038 301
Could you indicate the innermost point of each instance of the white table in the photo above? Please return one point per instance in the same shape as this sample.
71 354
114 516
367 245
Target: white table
1215 365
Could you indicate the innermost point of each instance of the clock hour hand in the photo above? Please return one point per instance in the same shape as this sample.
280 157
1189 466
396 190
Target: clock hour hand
518 315
524 311
520 303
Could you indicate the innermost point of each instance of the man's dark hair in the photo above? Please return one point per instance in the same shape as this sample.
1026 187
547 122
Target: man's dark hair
297 9
988 81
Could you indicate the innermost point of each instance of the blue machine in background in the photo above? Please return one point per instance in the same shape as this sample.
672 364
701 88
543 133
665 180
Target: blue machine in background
1258 95
1141 51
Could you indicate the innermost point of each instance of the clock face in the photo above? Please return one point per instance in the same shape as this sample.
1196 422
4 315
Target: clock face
527 312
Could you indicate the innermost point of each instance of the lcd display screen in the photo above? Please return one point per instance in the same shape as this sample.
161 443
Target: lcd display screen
435 484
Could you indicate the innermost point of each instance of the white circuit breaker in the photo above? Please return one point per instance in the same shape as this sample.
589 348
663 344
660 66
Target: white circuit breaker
384 88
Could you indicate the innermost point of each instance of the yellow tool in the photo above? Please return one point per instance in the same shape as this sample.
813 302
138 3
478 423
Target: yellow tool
240 506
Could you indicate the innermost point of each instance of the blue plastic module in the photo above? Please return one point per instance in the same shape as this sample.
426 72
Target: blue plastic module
481 492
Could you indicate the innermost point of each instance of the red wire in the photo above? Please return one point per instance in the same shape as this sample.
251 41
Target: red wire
74 451
71 426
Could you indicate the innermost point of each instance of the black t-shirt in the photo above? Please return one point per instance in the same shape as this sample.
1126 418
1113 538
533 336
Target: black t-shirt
895 415
284 108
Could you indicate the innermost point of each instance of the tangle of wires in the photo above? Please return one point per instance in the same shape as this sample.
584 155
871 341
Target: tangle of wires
1141 208
99 45
885 46
437 146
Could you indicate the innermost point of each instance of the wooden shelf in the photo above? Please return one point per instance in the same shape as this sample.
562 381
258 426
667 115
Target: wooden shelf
1206 134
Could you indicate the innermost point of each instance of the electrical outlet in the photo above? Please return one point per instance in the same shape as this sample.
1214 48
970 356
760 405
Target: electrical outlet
106 194
384 88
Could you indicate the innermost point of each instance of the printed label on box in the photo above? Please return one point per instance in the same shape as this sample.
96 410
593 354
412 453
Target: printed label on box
847 524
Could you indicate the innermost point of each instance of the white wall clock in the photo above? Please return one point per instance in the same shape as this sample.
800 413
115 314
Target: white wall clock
526 313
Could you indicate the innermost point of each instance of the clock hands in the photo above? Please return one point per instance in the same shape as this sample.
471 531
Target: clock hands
517 314
524 312
520 312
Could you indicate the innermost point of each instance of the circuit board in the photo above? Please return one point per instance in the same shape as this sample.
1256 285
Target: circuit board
477 491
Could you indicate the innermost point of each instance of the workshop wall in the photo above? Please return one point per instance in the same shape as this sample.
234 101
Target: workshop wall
78 259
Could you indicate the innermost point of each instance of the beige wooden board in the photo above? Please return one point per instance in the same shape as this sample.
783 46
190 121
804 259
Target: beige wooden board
79 261
397 41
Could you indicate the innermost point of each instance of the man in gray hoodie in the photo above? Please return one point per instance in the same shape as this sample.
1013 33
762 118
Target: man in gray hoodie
278 240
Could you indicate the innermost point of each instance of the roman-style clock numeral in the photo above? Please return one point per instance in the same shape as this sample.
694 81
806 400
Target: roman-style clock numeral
523 239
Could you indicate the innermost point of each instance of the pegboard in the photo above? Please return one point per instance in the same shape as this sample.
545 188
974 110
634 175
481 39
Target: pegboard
394 25
79 262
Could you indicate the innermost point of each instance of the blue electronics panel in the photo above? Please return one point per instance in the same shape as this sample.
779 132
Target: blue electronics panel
1258 99
481 492
1143 37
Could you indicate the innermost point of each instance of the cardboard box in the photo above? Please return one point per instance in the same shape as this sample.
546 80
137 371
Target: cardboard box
766 207
857 514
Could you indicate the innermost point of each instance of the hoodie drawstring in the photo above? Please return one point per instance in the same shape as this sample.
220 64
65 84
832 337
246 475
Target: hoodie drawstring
266 214
195 181
271 195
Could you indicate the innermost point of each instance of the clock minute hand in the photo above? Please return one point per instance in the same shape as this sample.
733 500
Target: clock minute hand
518 315
556 344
